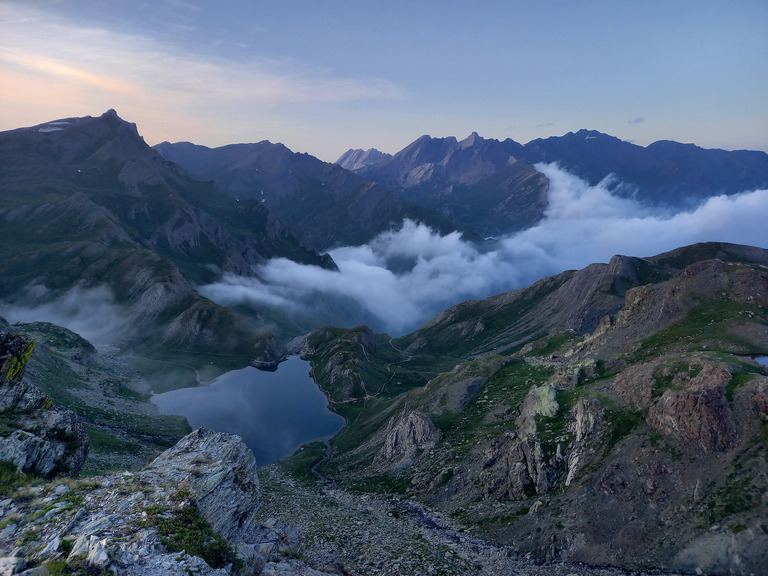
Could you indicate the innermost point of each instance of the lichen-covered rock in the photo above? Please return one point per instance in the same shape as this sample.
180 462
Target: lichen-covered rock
408 432
540 401
220 470
15 352
46 440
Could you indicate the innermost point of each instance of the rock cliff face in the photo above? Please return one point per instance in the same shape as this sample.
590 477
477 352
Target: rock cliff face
516 469
698 416
37 437
408 433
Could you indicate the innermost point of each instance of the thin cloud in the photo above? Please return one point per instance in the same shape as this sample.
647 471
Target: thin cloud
137 75
638 120
402 277
76 310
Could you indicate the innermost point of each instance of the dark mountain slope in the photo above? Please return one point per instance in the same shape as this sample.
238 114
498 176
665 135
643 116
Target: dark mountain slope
321 203
476 183
85 202
490 185
664 172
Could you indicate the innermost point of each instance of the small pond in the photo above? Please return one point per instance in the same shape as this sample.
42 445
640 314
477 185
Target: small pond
274 412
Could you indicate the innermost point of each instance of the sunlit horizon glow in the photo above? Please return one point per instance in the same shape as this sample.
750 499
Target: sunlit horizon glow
322 77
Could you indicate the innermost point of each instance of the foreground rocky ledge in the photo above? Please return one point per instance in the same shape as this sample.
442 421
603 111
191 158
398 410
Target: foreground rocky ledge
115 523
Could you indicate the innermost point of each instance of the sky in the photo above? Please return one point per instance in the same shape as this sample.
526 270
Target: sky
323 76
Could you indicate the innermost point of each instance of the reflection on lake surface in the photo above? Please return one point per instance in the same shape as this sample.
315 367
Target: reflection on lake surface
762 360
274 412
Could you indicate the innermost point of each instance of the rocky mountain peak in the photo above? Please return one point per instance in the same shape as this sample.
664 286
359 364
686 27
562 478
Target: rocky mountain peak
470 140
357 159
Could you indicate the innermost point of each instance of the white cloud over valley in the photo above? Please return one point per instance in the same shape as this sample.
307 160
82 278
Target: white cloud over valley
404 276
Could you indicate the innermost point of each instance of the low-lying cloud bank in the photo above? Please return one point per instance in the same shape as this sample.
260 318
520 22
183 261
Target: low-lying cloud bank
403 277
90 312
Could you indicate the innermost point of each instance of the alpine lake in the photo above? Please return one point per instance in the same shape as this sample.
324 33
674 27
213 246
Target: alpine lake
274 412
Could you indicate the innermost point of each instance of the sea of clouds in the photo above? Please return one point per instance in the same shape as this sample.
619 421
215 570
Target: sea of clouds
404 276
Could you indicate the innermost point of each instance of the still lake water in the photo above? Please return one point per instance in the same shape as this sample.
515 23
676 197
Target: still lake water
762 360
274 412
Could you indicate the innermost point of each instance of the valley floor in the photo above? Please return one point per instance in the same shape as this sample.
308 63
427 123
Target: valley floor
389 536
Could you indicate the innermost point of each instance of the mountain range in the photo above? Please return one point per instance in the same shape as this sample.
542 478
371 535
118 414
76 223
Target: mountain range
322 204
662 173
86 203
615 415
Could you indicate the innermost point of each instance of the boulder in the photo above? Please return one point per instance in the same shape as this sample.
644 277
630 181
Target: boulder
220 471
15 352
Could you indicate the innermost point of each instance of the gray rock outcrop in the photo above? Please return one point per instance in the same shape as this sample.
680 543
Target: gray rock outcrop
587 414
220 470
516 469
40 438
408 433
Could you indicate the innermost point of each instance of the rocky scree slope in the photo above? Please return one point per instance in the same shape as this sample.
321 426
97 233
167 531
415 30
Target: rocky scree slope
611 415
86 204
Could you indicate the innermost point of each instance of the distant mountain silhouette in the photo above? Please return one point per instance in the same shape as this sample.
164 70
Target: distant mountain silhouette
321 203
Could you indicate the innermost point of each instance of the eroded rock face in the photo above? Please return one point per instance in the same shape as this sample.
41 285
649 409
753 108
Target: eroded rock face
699 417
46 440
516 469
588 415
220 470
408 432
760 399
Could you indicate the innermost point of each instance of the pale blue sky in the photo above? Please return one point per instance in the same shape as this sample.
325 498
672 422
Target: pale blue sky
322 76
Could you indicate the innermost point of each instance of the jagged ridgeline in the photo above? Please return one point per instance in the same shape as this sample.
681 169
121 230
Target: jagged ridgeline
613 414
87 205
